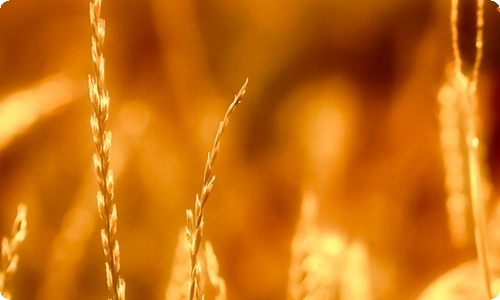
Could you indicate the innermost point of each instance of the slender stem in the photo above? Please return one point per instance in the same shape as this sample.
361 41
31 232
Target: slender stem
478 208
194 227
454 35
475 174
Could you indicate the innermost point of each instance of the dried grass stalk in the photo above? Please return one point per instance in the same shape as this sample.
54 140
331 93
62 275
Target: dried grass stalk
194 227
10 248
79 222
102 139
177 288
476 178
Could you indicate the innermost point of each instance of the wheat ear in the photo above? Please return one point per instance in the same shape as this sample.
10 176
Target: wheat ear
194 227
10 247
102 139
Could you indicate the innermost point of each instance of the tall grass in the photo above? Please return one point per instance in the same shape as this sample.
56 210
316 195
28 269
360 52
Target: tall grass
195 220
102 138
324 264
461 146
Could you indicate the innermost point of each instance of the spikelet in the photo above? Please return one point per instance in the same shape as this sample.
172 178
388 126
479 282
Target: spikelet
102 139
195 219
10 248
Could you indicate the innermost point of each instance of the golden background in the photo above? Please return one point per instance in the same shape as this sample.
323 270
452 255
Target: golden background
341 101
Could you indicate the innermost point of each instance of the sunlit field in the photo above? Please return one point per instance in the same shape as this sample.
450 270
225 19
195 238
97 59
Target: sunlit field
249 150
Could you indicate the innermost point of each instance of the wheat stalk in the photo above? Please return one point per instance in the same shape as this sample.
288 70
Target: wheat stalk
475 172
194 227
102 139
179 278
470 111
452 137
10 248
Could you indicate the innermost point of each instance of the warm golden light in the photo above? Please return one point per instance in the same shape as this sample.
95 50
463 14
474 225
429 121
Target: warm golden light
363 162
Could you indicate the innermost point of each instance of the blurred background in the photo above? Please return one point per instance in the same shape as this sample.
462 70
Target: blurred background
341 102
